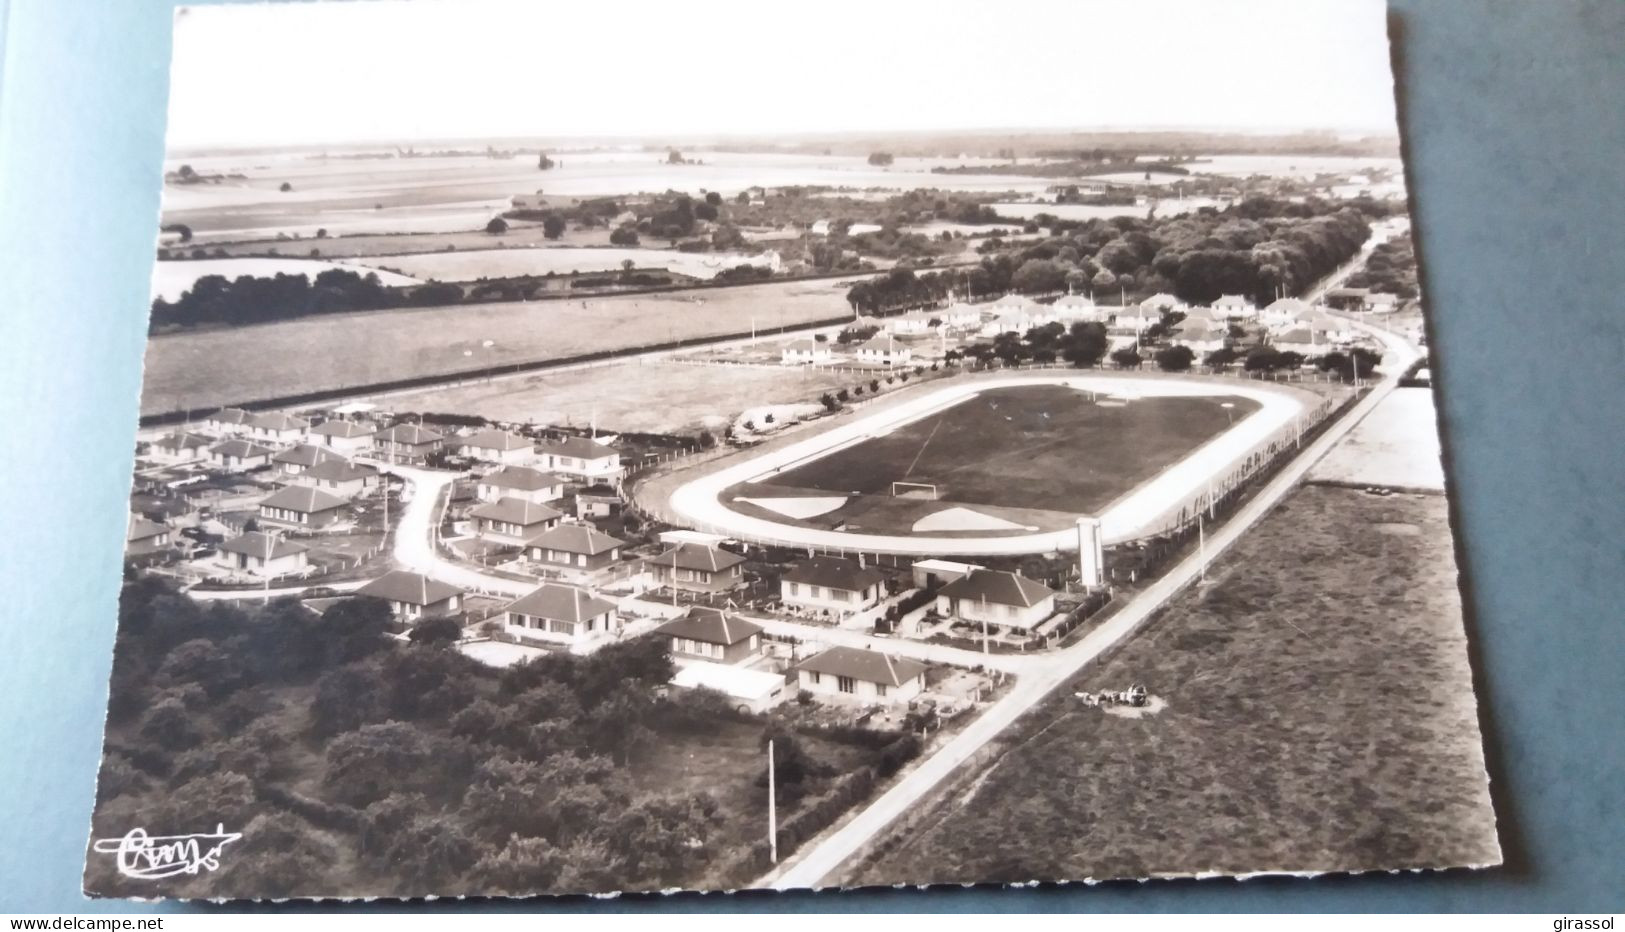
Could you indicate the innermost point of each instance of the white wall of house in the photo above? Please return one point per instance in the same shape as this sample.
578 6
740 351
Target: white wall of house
977 611
863 692
843 601
492 493
564 632
256 566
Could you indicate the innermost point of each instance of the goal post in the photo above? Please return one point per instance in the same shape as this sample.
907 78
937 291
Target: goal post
914 490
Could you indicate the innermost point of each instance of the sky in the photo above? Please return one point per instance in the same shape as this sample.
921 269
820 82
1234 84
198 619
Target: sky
400 70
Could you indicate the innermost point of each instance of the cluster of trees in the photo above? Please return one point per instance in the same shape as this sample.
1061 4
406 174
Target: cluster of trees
418 769
880 158
215 299
1082 345
1391 268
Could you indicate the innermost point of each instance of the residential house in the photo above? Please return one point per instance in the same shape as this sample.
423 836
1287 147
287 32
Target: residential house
302 506
340 477
753 691
1200 336
1235 306
929 573
259 554
1300 340
913 323
413 596
712 634
574 546
296 459
864 676
238 455
884 351
498 446
1162 301
1381 302
1016 304
695 567
961 317
579 456
180 447
802 352
560 613
1135 317
1348 299
344 437
999 598
1071 308
598 501
407 443
513 520
521 482
831 584
171 511
228 422
277 428
1284 312
145 539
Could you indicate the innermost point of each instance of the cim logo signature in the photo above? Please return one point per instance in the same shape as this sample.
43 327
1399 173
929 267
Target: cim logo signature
154 857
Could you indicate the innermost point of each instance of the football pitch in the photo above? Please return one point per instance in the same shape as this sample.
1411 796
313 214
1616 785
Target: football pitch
1046 447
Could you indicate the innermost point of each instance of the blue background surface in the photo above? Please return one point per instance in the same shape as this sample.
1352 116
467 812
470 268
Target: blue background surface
1514 115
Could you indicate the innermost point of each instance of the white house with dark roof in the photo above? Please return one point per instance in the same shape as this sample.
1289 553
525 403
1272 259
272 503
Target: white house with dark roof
406 443
513 520
144 538
239 455
521 482
712 634
805 351
580 456
883 351
574 546
1301 340
831 584
260 554
562 614
344 436
180 447
1200 336
276 427
1162 301
302 506
1284 312
696 567
340 477
497 446
413 596
913 323
866 677
296 459
228 422
1071 308
1000 598
1135 317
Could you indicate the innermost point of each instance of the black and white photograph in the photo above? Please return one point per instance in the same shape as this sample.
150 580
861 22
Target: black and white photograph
613 448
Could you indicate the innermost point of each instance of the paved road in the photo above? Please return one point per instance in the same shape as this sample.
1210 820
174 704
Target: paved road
1040 676
244 595
897 647
414 536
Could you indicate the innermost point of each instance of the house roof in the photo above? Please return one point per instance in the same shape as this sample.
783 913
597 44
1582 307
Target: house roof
1198 328
229 416
1288 306
834 573
302 498
240 448
561 603
304 455
1232 300
1160 299
692 556
711 625
255 544
141 529
575 538
805 346
1000 587
410 434
183 440
578 447
1295 335
344 429
339 469
491 439
871 666
277 420
411 588
518 511
1074 300
522 478
881 345
1015 300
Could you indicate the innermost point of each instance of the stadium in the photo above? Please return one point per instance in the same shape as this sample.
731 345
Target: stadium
999 465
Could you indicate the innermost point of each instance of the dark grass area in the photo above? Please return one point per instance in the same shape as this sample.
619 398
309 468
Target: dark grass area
1319 717
1041 446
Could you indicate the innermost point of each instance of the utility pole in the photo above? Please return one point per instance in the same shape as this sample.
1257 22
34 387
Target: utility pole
1201 545
772 808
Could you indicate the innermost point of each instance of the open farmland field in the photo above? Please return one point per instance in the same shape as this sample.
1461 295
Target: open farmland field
468 265
653 396
520 234
1039 446
1319 717
1397 445
207 369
